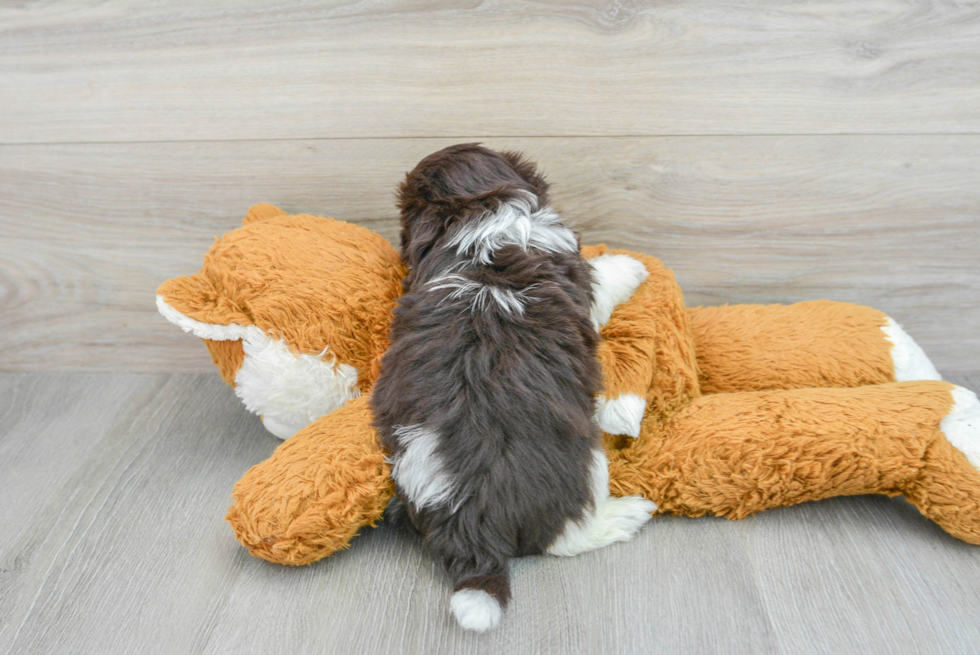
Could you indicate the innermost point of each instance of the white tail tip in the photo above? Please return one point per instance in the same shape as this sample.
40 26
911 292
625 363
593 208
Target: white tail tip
475 609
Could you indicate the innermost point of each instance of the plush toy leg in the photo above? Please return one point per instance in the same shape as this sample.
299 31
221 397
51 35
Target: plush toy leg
647 350
805 345
734 454
316 492
947 489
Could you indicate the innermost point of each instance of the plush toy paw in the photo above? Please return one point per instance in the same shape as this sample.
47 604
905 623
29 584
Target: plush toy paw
911 362
616 278
962 425
620 415
947 487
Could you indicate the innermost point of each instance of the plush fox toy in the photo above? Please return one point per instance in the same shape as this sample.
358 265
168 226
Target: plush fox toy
721 410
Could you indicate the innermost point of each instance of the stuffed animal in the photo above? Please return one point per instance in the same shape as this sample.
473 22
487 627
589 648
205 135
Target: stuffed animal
710 410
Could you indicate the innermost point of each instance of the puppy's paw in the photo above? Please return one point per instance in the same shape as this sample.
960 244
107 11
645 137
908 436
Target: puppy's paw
620 415
625 516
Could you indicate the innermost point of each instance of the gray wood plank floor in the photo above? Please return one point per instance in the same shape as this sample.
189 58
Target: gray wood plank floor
768 151
114 489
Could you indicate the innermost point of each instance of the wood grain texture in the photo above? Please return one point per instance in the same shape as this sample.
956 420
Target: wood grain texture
115 543
87 232
130 71
128 552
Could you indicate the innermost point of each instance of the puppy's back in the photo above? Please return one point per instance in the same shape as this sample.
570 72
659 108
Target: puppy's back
485 397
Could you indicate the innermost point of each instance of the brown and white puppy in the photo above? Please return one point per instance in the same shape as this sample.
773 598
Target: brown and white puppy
485 398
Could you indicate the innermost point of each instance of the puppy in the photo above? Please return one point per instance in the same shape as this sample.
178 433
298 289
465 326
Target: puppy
485 397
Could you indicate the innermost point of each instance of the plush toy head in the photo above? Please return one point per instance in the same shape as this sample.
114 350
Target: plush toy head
294 310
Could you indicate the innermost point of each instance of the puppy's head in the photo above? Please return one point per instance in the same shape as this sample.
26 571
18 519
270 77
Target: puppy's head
459 184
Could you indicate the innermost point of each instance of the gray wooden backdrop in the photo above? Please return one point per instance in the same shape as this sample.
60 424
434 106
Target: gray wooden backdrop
768 151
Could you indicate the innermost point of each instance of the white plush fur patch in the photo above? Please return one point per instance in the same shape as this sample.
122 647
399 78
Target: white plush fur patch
292 390
611 519
418 469
962 425
289 390
620 415
475 609
616 278
518 222
911 362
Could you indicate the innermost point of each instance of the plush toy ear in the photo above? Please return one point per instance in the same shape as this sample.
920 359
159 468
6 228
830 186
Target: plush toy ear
262 212
193 304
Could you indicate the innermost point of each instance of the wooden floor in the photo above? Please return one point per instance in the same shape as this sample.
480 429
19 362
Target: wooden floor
768 151
114 489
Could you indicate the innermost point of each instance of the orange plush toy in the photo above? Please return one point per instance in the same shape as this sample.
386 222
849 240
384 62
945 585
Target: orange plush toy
720 410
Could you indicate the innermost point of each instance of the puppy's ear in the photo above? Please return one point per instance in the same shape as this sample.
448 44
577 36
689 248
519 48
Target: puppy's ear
421 228
529 173
422 220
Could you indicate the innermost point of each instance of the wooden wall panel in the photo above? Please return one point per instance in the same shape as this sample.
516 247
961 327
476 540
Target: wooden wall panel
132 71
87 232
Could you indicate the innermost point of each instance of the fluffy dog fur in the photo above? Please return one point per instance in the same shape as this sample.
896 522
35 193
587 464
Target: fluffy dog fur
485 398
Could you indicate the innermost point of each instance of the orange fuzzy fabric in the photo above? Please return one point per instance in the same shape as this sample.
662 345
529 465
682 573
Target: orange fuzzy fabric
735 454
808 344
748 407
316 491
647 346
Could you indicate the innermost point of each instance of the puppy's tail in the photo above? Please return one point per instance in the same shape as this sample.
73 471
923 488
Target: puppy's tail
479 600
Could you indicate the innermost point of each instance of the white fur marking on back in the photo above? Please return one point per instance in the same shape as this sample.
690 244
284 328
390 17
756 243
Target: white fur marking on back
288 390
475 609
615 279
911 362
620 415
962 425
510 301
609 521
518 222
418 469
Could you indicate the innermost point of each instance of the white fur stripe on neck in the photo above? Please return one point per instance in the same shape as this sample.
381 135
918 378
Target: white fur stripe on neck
517 222
480 295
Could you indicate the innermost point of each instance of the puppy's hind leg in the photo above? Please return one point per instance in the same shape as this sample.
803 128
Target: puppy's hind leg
610 520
